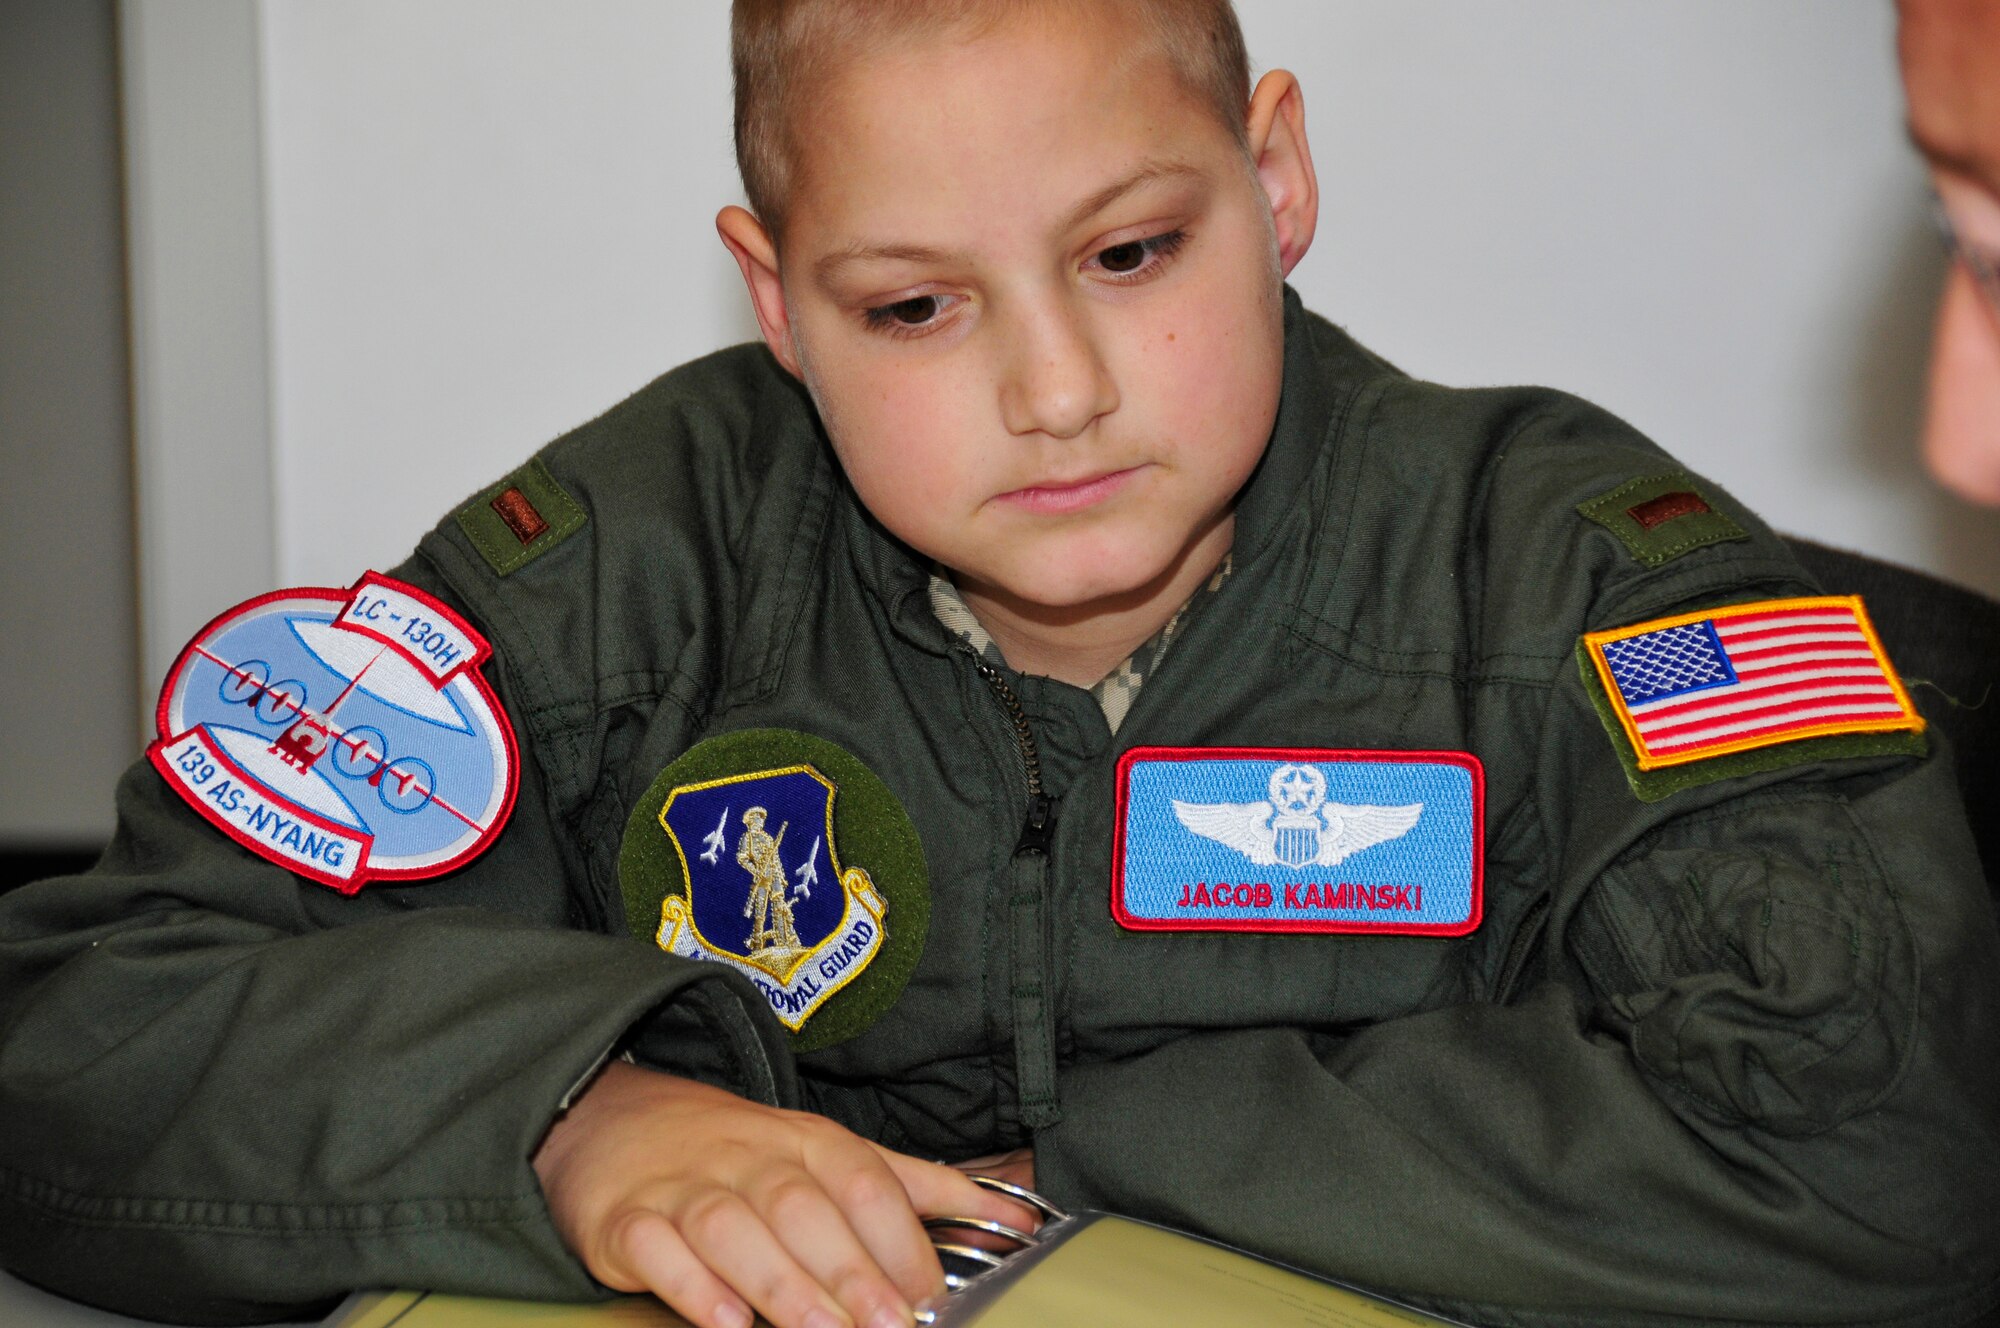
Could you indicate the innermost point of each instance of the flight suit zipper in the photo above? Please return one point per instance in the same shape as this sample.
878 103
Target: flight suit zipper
1031 989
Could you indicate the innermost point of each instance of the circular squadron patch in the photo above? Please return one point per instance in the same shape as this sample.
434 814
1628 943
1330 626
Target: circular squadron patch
784 857
345 735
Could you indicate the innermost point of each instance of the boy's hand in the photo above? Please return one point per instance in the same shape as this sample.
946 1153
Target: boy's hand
1016 1168
716 1204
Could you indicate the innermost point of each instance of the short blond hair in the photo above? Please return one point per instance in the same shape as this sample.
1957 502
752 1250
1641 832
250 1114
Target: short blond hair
781 50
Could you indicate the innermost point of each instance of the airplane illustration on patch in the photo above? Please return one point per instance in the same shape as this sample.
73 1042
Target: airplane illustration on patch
1297 827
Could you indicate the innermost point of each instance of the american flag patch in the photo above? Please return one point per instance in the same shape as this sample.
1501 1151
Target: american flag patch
1730 680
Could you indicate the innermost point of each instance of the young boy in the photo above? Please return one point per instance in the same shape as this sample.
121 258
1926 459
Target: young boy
1068 711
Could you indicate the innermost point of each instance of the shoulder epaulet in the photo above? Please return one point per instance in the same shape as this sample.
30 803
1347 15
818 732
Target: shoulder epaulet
521 518
1658 518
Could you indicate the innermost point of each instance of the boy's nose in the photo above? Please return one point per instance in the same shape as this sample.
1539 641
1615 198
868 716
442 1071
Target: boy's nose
1057 381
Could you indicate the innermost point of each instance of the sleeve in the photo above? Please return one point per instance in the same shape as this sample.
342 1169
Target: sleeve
1754 1084
227 1093
1745 1074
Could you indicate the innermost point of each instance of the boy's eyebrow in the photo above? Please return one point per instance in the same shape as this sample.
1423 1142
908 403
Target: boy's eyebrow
1145 173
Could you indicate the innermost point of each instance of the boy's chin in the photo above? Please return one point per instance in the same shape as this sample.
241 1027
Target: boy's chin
1078 585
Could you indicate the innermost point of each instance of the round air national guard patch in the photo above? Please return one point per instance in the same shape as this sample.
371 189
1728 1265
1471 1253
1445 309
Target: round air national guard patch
345 735
784 857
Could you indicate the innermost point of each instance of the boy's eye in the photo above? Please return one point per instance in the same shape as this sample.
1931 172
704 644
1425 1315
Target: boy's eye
1139 258
916 312
1123 257
912 312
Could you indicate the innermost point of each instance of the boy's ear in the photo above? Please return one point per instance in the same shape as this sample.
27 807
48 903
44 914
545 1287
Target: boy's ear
1275 128
750 244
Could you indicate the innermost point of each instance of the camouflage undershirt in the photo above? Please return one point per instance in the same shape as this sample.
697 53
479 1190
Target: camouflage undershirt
1116 690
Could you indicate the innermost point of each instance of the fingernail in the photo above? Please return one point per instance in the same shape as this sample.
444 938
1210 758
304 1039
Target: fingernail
822 1318
734 1316
888 1318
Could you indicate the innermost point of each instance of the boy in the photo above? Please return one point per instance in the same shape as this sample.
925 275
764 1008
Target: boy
1686 1027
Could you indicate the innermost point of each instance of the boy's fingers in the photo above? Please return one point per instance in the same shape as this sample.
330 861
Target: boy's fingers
737 1245
1016 1167
646 1248
877 1207
823 1239
937 1190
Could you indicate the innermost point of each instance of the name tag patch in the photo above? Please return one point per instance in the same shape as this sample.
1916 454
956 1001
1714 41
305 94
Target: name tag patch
347 736
1298 839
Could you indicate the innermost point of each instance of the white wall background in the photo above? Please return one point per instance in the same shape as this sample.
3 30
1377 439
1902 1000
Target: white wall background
68 651
487 221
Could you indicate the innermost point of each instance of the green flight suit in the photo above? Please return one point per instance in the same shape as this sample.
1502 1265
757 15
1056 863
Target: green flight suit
1725 1056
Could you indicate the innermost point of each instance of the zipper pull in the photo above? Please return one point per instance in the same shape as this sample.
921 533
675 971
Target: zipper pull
1038 832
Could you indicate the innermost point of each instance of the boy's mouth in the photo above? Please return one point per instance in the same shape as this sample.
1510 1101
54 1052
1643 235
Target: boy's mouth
1069 496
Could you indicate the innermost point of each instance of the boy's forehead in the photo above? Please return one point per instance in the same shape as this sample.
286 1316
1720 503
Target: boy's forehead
1063 111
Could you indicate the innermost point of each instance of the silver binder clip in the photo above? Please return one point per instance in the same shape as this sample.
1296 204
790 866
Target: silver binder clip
985 1260
1000 1229
1028 1197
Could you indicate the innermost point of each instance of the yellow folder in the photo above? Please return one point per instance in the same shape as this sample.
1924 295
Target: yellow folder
1091 1270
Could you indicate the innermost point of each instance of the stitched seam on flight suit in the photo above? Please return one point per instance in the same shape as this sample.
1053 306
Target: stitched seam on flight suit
240 1217
1461 671
645 684
586 439
1643 974
602 821
1720 572
572 720
569 777
1469 573
1345 439
1520 823
1626 951
549 718
1461 666
1065 1019
703 1004
655 685
801 556
1906 940
1673 582
1870 981
1715 578
1555 848
602 812
562 783
1358 421
1038 991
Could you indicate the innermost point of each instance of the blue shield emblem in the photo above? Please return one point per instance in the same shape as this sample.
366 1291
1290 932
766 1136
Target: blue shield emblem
766 891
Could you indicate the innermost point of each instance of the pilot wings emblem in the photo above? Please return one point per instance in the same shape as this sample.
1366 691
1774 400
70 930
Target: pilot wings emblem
1297 827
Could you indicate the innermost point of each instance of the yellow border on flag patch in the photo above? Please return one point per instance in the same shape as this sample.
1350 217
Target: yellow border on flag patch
1596 641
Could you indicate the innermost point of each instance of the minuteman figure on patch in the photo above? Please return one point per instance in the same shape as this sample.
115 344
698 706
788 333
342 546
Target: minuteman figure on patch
773 941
